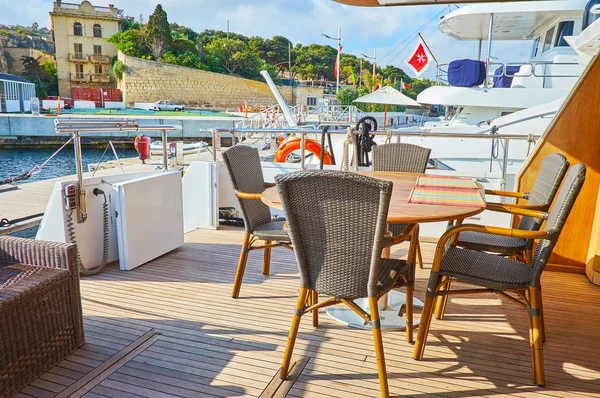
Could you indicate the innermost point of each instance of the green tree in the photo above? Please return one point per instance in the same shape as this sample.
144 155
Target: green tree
42 75
276 52
158 32
131 42
181 46
130 23
183 32
233 55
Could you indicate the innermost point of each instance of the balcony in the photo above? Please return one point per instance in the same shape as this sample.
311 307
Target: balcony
99 59
78 58
80 77
100 78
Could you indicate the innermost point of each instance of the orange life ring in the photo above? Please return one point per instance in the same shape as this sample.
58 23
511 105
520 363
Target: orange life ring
135 143
293 144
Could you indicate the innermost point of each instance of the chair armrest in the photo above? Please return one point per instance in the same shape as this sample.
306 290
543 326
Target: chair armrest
270 184
39 253
247 195
516 210
517 233
404 235
525 206
509 194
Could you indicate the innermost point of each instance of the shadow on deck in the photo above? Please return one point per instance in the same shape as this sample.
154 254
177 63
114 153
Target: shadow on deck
171 328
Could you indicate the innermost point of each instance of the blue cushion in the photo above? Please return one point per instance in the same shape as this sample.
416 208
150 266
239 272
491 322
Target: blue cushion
502 81
466 73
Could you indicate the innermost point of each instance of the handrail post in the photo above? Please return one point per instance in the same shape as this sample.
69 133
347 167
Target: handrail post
165 150
81 205
213 132
504 166
489 50
302 150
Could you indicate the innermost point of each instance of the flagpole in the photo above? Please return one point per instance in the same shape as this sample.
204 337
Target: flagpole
337 84
428 49
374 67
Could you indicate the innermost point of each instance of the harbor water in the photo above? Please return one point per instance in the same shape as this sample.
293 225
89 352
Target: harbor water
16 161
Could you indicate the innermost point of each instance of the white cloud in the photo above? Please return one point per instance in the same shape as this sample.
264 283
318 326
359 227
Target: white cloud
363 29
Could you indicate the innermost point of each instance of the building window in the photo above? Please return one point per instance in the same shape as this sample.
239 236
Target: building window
77 29
98 69
78 50
97 50
79 71
97 30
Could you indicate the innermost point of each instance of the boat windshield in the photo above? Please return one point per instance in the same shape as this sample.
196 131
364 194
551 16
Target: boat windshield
548 39
565 28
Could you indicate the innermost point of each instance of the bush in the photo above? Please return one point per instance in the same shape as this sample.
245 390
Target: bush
22 31
118 69
4 32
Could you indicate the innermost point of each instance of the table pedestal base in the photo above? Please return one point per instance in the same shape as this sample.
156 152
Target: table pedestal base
389 316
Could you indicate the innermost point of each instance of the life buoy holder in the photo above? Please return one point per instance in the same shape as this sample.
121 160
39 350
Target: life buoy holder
136 143
293 144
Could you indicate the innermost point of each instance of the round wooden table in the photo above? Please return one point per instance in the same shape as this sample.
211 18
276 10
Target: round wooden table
400 212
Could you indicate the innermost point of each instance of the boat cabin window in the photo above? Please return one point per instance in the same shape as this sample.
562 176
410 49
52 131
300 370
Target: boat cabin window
536 45
565 28
504 113
548 39
590 14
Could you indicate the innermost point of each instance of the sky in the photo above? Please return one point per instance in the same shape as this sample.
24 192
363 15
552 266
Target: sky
391 31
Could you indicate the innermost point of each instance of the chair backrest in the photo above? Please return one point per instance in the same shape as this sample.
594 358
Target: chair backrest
243 164
558 216
336 223
405 158
552 171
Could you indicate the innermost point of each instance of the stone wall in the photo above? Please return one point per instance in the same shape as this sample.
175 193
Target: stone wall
150 81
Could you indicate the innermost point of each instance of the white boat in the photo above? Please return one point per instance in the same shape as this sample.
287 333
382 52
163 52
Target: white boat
156 148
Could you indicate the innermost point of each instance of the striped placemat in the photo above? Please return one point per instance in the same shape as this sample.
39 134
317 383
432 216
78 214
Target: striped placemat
445 196
446 182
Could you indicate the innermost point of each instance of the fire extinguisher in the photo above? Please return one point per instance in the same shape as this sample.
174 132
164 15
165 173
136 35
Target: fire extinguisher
142 146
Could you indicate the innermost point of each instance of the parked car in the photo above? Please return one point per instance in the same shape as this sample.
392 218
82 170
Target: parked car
167 106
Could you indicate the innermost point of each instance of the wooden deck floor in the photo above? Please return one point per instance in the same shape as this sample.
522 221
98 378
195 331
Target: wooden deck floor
170 328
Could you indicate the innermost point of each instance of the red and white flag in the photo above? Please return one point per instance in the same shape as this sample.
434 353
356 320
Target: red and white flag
336 68
420 59
404 86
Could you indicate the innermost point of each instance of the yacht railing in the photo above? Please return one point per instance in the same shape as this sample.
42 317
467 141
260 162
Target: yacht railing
339 113
505 139
532 69
272 117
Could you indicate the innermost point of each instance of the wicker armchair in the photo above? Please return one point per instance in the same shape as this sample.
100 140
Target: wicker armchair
41 321
406 158
243 164
518 281
337 226
550 175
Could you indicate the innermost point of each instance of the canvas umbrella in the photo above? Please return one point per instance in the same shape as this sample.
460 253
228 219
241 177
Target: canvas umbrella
388 96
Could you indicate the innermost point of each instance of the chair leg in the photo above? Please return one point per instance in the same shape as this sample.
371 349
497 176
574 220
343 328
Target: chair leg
267 260
409 314
426 315
442 301
542 322
378 342
315 313
535 335
287 356
239 275
419 255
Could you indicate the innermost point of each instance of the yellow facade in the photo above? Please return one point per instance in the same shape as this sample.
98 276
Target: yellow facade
83 55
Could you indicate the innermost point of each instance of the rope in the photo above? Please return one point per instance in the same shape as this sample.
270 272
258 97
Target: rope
5 222
330 145
35 169
323 134
350 140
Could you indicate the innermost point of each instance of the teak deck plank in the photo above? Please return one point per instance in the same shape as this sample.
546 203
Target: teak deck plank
212 345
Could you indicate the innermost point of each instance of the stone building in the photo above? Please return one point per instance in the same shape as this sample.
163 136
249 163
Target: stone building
83 55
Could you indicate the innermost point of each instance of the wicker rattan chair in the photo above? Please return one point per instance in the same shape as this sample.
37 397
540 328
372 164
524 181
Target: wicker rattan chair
405 158
243 164
513 279
550 175
40 309
337 226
